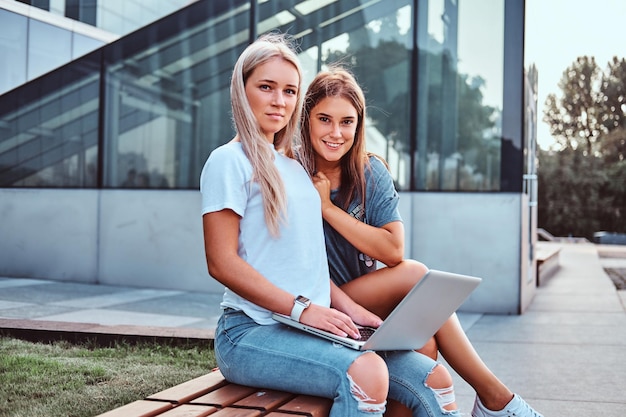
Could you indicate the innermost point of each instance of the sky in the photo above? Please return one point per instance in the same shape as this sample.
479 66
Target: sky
559 31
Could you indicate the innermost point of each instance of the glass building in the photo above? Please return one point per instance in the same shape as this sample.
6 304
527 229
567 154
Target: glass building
51 33
447 103
114 16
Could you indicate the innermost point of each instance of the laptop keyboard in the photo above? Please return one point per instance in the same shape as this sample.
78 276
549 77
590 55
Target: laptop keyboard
366 332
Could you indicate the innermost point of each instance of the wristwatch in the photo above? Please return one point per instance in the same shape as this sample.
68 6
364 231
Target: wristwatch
299 305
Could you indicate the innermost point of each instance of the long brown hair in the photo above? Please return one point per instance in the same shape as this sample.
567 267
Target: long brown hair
338 82
254 144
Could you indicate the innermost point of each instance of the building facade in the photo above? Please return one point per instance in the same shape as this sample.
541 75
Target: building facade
100 159
40 35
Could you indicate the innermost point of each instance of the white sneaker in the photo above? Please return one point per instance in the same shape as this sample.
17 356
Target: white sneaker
517 407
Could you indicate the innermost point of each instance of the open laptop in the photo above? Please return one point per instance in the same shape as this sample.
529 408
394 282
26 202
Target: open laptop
414 320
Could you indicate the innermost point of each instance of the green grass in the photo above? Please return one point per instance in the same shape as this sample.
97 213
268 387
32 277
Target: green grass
70 380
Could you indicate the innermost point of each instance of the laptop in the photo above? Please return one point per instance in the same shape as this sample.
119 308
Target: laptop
414 320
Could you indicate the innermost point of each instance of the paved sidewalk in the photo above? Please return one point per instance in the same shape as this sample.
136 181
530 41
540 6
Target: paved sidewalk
46 310
565 355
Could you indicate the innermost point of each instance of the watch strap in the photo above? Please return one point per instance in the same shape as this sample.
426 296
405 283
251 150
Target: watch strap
297 311
300 303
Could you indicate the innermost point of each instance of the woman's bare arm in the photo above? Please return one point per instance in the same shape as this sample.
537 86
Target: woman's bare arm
221 232
385 243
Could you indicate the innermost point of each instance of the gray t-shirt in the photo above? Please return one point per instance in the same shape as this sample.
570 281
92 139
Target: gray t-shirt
381 207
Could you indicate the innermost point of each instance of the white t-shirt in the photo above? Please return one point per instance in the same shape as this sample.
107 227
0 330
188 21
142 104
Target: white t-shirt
294 261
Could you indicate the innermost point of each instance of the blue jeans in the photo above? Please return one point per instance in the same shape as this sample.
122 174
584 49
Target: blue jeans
408 371
286 359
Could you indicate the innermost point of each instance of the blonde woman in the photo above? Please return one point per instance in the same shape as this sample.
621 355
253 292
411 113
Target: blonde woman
254 197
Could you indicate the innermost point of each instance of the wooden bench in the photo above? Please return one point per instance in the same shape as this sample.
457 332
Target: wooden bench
547 261
212 395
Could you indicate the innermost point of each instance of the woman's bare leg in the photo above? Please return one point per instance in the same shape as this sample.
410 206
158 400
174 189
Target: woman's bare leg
430 349
381 290
463 358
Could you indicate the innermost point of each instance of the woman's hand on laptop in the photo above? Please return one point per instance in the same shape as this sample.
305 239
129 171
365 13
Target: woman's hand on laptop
331 320
363 317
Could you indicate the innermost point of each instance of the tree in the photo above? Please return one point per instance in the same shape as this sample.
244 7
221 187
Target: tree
582 187
592 105
575 119
613 89
571 201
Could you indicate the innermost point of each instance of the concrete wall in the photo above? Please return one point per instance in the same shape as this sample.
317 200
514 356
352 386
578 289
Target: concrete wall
147 238
49 234
471 233
138 238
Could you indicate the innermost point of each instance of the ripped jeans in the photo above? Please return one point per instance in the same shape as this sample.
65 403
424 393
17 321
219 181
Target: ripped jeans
286 359
408 371
282 358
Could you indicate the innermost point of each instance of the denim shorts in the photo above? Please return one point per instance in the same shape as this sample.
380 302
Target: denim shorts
282 358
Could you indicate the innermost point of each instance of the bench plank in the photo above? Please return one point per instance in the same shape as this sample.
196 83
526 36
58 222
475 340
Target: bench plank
224 396
189 410
238 412
140 408
265 399
308 405
547 262
191 389
211 395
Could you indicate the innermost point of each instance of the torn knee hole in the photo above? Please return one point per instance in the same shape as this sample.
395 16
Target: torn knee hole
440 382
365 402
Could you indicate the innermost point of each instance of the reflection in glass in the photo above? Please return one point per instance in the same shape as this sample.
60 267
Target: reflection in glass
434 112
168 100
374 42
460 91
49 129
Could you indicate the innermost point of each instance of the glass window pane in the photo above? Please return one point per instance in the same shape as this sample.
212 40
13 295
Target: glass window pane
50 135
125 16
82 10
460 95
48 48
84 44
374 41
42 4
12 50
168 99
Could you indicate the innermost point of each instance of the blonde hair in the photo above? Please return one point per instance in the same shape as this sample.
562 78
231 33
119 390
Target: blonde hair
254 144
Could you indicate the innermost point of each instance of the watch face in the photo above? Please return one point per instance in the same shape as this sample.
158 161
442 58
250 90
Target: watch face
303 300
